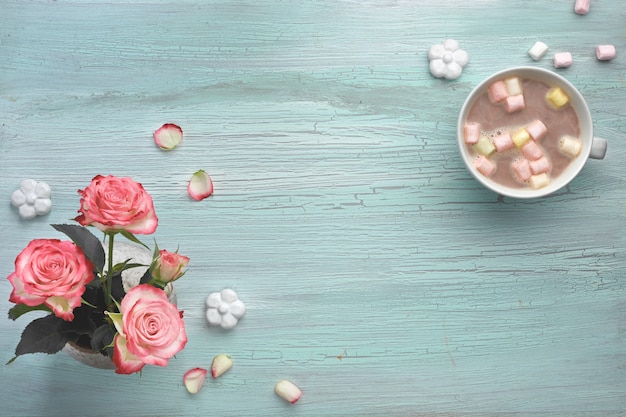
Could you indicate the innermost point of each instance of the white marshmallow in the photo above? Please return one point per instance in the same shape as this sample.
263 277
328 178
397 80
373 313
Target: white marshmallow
513 86
538 50
569 146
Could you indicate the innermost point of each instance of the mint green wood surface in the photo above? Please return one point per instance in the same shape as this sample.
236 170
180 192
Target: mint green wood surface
379 276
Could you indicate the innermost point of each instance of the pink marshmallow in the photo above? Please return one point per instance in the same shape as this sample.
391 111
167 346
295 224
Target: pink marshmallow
498 91
540 165
472 132
605 52
522 169
582 6
485 165
562 60
532 151
514 103
503 142
536 129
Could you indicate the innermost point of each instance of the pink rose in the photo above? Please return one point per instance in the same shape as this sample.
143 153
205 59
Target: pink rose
51 272
111 203
152 330
168 266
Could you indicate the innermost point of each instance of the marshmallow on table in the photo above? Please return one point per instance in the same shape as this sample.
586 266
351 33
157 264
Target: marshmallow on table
605 52
536 129
582 6
569 146
472 132
538 50
503 142
521 167
498 91
484 165
562 60
514 103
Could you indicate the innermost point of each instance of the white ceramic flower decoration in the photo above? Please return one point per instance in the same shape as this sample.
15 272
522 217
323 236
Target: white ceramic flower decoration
224 309
447 60
32 199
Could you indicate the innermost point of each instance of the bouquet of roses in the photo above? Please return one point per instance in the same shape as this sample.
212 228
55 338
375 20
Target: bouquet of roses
81 287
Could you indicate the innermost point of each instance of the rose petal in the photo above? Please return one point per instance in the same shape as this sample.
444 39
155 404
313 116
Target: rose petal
288 391
168 136
193 379
125 362
200 185
221 363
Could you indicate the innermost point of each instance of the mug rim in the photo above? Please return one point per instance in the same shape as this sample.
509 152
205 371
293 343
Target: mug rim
577 102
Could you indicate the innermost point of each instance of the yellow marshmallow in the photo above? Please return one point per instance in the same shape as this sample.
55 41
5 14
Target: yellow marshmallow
484 146
557 97
520 137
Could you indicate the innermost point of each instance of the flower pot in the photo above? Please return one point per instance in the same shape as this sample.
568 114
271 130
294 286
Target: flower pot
122 251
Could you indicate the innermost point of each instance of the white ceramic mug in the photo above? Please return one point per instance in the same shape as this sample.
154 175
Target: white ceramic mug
592 147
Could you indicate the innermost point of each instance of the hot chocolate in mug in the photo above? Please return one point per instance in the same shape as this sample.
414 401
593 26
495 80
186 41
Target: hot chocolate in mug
526 132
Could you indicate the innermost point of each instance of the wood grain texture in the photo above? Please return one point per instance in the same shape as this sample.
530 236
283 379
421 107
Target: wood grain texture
379 276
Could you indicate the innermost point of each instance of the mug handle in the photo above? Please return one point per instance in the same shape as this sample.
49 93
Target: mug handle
598 148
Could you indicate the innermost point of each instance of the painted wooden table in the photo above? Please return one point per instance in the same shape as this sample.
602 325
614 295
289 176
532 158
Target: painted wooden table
379 276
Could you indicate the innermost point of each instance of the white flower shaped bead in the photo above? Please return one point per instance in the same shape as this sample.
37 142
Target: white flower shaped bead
32 199
447 60
224 309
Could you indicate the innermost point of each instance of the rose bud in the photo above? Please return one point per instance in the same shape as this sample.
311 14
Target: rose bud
287 391
168 266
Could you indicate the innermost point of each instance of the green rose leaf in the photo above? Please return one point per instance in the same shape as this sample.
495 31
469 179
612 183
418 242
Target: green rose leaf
20 309
43 335
91 246
102 339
